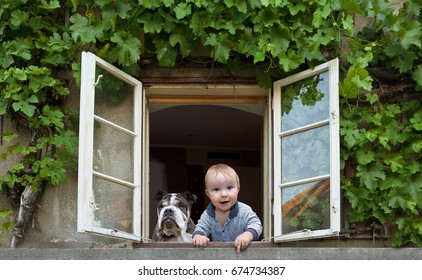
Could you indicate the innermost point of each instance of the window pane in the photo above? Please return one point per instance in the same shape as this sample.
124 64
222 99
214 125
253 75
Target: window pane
305 102
306 207
305 154
114 100
113 152
113 204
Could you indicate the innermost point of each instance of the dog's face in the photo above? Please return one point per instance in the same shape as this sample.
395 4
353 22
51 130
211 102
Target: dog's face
173 211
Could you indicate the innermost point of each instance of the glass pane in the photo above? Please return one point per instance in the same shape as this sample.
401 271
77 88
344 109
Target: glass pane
305 102
306 207
113 152
113 97
305 154
113 205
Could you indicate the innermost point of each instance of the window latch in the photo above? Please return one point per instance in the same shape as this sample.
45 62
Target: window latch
98 80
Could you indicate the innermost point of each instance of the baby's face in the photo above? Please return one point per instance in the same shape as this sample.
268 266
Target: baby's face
222 190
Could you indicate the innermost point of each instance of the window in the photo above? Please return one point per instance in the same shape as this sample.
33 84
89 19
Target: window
306 154
110 151
114 123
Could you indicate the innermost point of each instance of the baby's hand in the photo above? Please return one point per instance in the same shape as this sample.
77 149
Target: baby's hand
200 241
242 241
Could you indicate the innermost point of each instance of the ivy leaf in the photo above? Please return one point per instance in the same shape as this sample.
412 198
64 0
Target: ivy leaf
356 79
348 23
264 80
54 4
50 170
370 175
110 14
415 189
221 49
182 10
24 105
183 43
365 157
416 120
82 28
289 61
295 9
395 161
356 196
37 82
52 116
18 17
128 48
352 6
20 48
166 54
398 201
404 61
416 145
350 132
409 34
6 59
417 75
68 141
153 23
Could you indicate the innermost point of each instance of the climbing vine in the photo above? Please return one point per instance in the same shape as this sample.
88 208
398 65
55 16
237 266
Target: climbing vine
381 63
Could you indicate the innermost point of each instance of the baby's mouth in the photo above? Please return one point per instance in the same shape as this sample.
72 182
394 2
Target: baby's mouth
224 202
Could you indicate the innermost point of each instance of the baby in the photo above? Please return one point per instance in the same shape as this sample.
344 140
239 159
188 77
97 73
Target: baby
225 218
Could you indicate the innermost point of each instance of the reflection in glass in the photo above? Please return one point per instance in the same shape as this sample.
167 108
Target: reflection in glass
306 154
305 102
113 97
113 205
306 207
113 152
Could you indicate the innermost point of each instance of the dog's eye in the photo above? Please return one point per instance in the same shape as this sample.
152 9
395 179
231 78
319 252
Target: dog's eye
180 204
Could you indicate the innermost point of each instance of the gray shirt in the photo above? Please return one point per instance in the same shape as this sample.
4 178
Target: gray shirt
241 218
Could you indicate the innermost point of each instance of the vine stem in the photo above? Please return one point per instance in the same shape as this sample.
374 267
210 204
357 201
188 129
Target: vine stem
29 200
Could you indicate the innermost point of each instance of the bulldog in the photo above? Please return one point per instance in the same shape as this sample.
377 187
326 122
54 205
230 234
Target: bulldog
174 223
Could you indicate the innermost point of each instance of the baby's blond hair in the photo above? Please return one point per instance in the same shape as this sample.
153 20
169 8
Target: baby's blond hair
224 169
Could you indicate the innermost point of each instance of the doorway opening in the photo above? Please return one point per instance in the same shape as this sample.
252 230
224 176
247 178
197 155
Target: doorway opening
184 140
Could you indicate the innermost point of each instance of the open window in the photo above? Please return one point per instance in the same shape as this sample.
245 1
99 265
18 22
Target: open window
300 163
110 151
306 154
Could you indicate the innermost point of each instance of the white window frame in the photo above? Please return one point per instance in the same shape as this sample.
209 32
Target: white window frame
86 173
334 176
272 154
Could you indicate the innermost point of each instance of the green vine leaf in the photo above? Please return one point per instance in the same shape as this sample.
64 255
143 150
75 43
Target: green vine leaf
182 10
152 23
128 48
370 175
53 4
51 116
25 105
416 120
417 75
85 30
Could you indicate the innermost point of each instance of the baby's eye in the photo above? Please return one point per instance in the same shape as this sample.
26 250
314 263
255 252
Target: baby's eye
215 189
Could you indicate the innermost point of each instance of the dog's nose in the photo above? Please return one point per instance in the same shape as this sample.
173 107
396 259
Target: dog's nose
168 211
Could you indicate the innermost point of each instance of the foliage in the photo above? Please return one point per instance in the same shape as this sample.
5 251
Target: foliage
40 42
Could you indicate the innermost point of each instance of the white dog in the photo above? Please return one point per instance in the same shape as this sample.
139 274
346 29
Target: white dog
174 223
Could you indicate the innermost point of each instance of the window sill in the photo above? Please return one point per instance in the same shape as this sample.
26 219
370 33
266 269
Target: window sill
255 244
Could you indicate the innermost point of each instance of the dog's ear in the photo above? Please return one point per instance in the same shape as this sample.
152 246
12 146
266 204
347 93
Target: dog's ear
159 195
190 197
